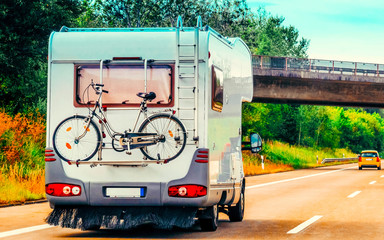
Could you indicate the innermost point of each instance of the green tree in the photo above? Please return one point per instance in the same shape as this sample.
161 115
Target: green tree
264 34
25 26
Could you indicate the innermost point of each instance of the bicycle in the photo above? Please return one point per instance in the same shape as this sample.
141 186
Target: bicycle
161 136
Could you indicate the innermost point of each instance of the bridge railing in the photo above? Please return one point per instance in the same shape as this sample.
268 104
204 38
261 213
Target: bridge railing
318 65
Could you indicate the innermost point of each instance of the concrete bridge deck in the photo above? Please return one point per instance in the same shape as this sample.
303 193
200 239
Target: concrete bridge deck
320 82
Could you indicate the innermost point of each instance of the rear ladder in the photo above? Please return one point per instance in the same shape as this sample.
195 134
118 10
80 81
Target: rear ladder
187 77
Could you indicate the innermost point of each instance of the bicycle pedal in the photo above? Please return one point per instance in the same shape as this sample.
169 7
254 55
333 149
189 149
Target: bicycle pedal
129 153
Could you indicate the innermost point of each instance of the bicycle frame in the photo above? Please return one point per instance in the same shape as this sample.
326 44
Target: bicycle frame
104 121
131 137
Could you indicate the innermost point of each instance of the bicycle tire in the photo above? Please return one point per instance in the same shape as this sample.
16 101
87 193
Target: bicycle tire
64 139
175 137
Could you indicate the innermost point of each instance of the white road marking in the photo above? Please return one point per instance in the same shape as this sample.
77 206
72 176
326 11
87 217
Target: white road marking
304 225
293 179
373 182
354 194
24 230
382 176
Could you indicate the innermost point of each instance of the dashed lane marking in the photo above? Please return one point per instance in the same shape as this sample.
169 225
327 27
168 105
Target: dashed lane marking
354 194
304 225
373 182
24 230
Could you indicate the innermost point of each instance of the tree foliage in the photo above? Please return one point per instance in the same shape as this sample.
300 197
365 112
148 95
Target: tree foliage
264 34
25 26
319 126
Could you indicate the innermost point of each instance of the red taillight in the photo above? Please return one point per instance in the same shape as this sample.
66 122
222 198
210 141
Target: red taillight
202 156
187 191
360 159
49 155
62 190
377 159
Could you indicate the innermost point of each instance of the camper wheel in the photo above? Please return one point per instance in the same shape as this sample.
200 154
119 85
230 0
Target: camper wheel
236 213
209 219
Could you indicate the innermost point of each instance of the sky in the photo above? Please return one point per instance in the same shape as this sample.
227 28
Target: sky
347 30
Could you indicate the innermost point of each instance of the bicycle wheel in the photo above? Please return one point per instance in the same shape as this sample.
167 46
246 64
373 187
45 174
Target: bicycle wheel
66 143
171 133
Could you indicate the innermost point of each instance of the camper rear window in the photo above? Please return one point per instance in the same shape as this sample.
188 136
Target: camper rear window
217 89
123 83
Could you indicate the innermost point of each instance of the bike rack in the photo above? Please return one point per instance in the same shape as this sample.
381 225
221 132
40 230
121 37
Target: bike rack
143 163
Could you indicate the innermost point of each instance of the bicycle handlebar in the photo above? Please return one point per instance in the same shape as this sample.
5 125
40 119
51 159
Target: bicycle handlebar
97 88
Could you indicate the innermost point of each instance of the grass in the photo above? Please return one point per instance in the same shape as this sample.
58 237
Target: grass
279 157
22 144
19 186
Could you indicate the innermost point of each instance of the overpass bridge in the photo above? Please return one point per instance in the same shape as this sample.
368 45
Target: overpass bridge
318 82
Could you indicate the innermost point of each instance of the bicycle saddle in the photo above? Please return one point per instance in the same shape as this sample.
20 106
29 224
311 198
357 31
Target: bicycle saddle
147 96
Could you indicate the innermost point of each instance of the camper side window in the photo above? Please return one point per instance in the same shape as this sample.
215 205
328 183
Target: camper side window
123 83
217 89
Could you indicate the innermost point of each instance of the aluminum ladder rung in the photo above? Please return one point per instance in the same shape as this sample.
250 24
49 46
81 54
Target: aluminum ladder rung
186 87
186 66
187 119
186 76
187 45
186 98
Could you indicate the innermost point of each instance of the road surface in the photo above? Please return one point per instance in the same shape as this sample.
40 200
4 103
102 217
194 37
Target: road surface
338 202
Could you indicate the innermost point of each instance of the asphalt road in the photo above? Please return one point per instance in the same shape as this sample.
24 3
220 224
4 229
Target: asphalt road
338 202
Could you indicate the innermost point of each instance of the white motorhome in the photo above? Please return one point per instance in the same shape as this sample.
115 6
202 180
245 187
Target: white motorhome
199 77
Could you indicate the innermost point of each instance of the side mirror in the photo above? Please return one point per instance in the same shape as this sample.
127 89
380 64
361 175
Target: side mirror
256 143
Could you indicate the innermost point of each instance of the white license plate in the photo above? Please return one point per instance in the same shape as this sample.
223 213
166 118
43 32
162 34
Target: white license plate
125 192
369 159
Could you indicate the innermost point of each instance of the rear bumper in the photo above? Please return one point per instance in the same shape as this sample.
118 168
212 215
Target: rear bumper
154 193
371 165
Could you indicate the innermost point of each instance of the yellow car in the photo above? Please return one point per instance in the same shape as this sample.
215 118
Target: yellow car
369 159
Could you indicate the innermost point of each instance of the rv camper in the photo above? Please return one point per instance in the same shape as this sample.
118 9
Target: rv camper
144 125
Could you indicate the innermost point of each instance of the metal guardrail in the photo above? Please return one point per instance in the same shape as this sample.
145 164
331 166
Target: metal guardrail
319 66
325 160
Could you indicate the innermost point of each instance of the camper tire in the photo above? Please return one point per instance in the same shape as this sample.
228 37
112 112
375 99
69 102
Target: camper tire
210 219
236 213
61 134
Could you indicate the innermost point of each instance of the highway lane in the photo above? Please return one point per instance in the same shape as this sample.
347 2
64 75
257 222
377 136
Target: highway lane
341 201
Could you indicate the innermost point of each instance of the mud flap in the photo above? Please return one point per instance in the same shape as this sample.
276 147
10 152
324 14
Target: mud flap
122 217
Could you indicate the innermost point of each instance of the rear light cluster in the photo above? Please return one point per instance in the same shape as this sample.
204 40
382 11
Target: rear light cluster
360 159
62 190
187 191
202 156
49 155
377 159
